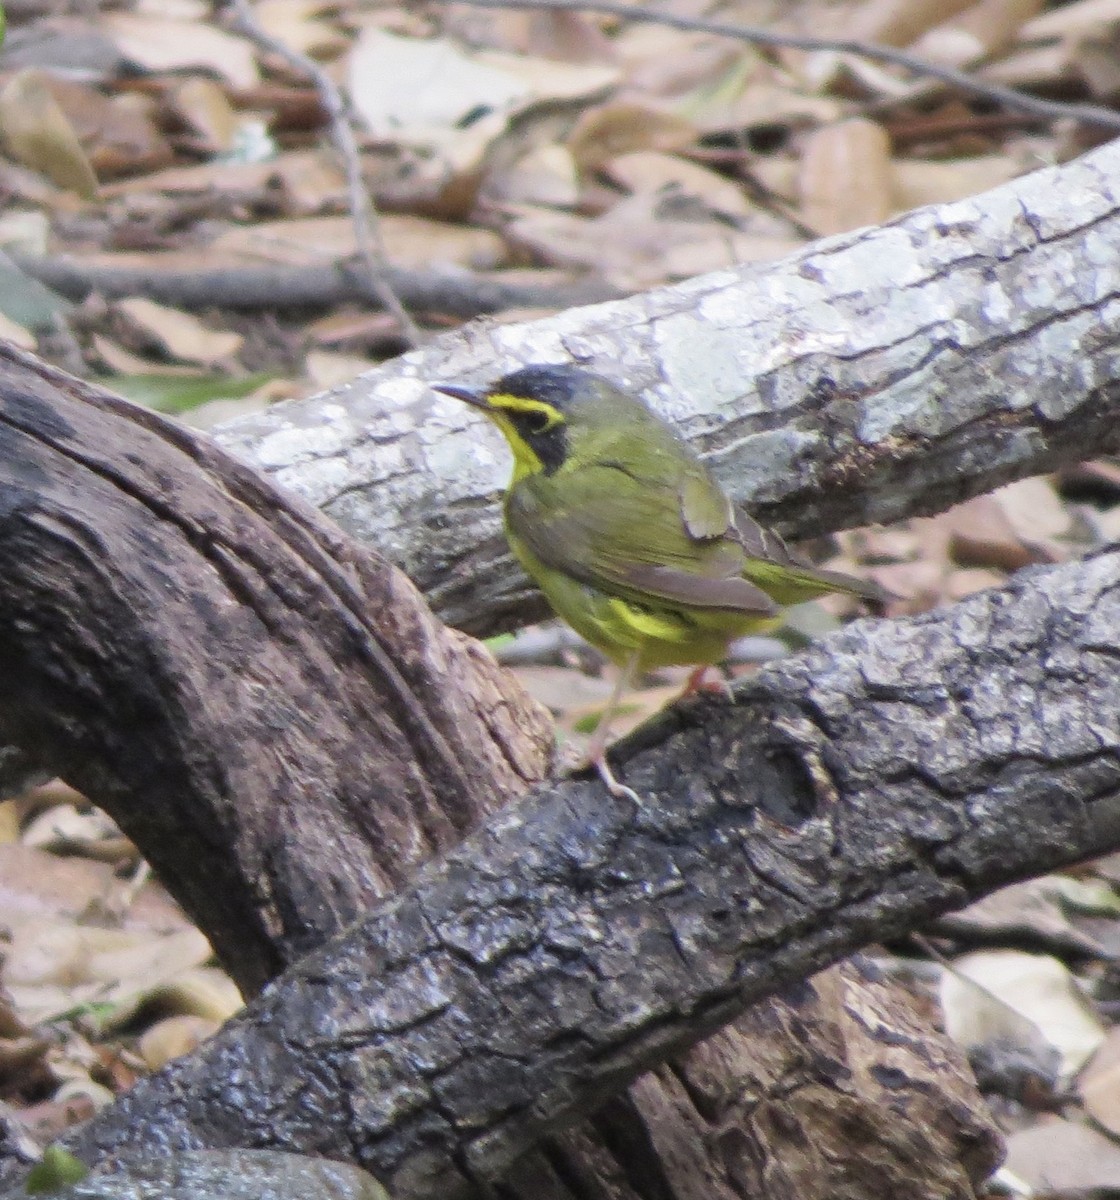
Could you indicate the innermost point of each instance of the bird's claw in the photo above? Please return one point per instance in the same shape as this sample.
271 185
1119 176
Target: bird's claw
615 788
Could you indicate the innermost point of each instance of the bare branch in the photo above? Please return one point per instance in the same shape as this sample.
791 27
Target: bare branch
1088 114
449 291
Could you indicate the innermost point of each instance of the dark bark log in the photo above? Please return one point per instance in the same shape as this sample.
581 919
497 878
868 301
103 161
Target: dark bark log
892 772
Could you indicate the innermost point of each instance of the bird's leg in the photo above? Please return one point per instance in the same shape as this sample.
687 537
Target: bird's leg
597 747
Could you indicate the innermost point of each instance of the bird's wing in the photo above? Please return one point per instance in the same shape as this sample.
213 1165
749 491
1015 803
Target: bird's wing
705 509
615 539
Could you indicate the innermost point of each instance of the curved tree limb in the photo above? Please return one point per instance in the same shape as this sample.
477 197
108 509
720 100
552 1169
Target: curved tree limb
213 663
890 773
883 373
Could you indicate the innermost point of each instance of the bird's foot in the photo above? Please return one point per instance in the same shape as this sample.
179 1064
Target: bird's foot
696 682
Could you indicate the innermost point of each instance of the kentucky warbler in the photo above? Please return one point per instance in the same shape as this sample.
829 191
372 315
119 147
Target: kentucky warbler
628 535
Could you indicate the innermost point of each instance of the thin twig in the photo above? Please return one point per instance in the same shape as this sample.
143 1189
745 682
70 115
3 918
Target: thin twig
367 229
1089 114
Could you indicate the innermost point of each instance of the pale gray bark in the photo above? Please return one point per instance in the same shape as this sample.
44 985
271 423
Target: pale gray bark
882 373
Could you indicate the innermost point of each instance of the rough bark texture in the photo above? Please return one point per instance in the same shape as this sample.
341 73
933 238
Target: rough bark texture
271 714
839 1088
882 373
894 771
201 655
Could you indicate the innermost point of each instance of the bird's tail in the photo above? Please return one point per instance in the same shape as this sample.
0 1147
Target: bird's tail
787 578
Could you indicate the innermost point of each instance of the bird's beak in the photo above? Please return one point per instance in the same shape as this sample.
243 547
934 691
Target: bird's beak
468 395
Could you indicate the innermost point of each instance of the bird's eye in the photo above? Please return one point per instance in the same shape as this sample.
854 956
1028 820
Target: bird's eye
540 422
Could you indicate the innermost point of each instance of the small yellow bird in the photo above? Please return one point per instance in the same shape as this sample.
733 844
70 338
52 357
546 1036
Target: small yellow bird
628 535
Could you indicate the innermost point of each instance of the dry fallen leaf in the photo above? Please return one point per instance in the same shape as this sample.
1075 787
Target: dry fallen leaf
182 335
162 43
966 581
66 829
1099 1084
53 967
37 132
1011 998
427 89
983 29
9 822
35 883
922 181
119 134
299 24
409 240
203 105
545 174
123 362
1056 1157
1083 18
621 127
981 535
328 369
1035 908
847 179
645 239
668 63
651 171
172 1038
568 36
1034 510
899 22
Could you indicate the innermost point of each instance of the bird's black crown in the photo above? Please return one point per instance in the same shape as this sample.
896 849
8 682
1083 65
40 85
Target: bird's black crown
556 384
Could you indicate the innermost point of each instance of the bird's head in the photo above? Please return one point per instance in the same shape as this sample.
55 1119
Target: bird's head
545 411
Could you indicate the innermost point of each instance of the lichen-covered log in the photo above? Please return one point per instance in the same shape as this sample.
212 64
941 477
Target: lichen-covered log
890 773
882 373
